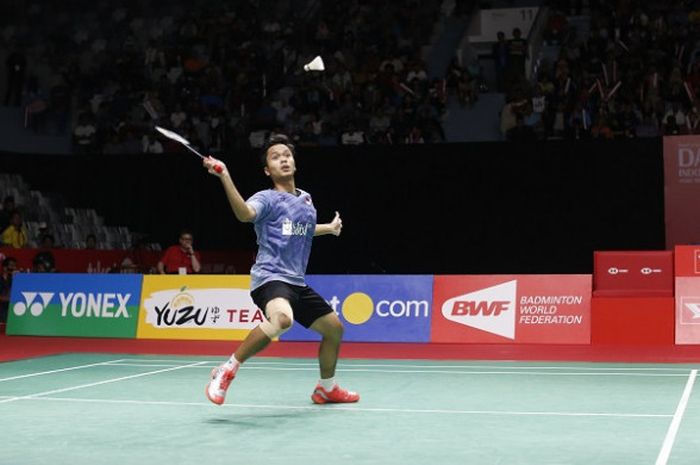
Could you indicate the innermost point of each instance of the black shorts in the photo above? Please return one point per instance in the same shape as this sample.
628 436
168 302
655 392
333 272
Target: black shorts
306 304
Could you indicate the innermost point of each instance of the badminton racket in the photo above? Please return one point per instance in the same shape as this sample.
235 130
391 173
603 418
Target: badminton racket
178 138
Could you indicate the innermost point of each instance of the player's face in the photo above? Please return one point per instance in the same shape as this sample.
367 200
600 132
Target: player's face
280 162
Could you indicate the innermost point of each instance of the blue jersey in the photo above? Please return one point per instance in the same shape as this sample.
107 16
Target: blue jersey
284 224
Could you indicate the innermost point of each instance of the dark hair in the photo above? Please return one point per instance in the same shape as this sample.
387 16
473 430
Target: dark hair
44 259
185 231
8 260
275 139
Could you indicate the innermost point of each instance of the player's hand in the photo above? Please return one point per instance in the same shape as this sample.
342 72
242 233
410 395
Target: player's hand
214 166
336 225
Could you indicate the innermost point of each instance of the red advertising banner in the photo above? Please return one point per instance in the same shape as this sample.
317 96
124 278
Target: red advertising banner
539 309
682 189
687 260
632 273
687 310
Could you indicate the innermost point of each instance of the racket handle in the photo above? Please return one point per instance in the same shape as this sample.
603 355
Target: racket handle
218 169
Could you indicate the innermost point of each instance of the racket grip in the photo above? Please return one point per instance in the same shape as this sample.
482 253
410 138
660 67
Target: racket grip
218 168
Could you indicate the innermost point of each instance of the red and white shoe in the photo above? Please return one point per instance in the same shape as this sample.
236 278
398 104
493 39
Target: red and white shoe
221 377
337 395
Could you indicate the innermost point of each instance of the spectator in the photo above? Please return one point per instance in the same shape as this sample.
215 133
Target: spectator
180 258
47 242
178 116
415 136
8 206
555 27
307 138
128 266
90 241
151 144
517 56
601 129
671 127
15 235
43 231
84 135
352 136
9 269
44 262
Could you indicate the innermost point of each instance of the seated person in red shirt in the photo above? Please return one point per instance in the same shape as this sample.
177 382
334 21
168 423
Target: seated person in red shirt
180 256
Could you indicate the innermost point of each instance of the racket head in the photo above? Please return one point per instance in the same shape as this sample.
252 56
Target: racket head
172 135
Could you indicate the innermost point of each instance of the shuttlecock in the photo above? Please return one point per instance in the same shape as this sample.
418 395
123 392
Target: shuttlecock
315 65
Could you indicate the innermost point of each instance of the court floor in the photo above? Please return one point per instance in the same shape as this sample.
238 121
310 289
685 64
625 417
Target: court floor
95 409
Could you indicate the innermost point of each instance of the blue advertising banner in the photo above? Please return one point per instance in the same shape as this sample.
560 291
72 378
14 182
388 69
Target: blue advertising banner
89 305
374 308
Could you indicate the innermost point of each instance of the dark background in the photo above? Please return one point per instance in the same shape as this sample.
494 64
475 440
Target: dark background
489 208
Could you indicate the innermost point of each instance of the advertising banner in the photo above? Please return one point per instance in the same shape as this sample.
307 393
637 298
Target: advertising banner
633 273
376 308
89 305
687 310
197 307
540 309
687 260
682 189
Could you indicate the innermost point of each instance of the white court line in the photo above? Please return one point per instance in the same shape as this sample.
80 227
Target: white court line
50 372
336 407
385 365
448 372
98 383
676 422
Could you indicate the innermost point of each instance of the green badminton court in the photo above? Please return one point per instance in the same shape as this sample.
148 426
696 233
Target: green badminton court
98 409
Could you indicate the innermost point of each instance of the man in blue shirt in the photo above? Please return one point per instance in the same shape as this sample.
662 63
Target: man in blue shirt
285 224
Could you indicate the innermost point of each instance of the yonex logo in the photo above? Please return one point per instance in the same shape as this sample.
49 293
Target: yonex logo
647 271
694 310
491 309
614 270
35 307
689 310
358 308
76 304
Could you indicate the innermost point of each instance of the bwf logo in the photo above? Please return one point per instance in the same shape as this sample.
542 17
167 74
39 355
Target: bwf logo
35 306
491 309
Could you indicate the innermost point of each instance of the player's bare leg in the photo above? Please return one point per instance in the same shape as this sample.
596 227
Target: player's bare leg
280 320
327 390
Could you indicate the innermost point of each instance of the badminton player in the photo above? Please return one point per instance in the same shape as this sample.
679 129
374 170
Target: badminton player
285 224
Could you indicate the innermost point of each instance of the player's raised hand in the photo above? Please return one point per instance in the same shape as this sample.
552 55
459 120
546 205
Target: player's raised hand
214 166
336 225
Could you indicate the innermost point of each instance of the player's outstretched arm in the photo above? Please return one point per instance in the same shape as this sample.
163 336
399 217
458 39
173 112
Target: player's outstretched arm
334 227
242 210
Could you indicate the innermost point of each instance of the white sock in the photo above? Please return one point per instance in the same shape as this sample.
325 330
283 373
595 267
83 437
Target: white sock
233 363
327 384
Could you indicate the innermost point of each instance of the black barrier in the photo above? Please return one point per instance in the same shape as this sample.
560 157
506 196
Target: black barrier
489 208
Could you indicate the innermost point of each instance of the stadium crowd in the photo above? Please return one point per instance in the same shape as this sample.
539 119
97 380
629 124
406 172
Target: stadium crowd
225 74
634 74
